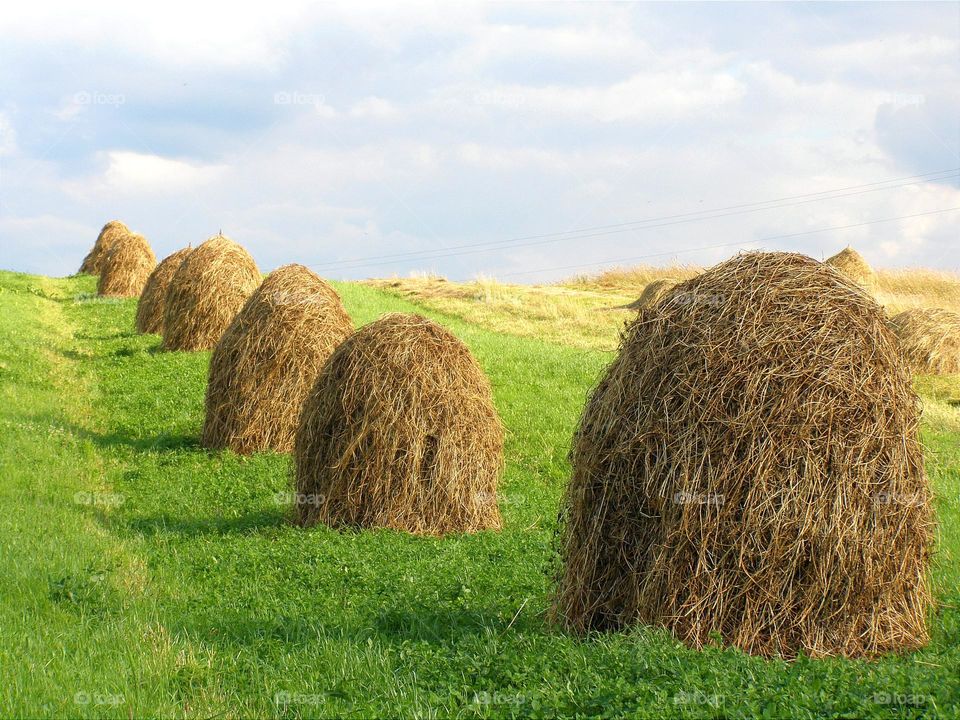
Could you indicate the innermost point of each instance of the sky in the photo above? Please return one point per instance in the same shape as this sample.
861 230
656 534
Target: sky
527 142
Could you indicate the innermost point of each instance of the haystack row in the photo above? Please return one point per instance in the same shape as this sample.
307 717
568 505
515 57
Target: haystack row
748 466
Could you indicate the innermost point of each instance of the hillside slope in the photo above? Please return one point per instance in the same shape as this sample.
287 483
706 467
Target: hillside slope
141 575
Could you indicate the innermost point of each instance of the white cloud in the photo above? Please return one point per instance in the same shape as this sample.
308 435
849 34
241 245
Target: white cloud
8 136
516 158
645 97
180 34
376 108
132 173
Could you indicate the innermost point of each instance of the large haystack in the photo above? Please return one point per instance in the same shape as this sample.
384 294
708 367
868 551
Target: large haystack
154 296
930 340
400 432
93 262
206 293
851 263
750 466
126 267
652 293
268 360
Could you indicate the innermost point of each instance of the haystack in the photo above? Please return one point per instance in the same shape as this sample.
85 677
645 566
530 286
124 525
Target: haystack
206 293
751 467
93 262
652 293
930 340
400 432
154 296
268 360
851 263
126 266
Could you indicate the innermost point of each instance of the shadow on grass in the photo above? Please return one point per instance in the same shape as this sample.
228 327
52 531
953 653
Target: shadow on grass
195 527
121 352
162 442
117 335
440 627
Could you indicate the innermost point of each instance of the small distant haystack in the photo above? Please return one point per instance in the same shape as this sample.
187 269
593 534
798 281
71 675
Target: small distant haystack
652 293
93 262
930 340
851 263
400 432
268 360
126 267
206 293
750 466
153 299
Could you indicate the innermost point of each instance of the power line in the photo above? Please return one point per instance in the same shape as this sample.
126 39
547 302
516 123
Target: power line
732 244
649 223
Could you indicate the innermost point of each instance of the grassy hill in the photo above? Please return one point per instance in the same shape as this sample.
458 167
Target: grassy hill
141 575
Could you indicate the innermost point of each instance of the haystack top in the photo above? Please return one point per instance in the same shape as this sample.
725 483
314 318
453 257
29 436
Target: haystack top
126 266
93 262
851 263
206 292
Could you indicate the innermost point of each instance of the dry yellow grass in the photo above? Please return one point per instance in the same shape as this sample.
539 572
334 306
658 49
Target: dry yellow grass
629 281
563 315
587 311
899 290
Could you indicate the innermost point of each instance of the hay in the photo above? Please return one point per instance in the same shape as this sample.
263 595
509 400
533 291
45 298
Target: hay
851 263
652 293
126 267
206 293
154 295
93 262
268 360
750 466
400 432
930 340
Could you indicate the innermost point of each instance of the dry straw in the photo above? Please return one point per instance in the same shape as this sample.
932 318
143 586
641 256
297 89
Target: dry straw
750 466
400 432
930 340
206 293
126 267
851 263
268 360
93 262
154 295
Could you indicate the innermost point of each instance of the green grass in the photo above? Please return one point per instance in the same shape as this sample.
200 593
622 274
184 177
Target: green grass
141 575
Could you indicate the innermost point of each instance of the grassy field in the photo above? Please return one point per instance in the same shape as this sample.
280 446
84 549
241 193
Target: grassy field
141 575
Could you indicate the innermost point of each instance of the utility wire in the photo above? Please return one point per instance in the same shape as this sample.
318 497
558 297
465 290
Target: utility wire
649 223
732 244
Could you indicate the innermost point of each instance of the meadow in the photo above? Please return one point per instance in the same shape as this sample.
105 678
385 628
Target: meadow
141 575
